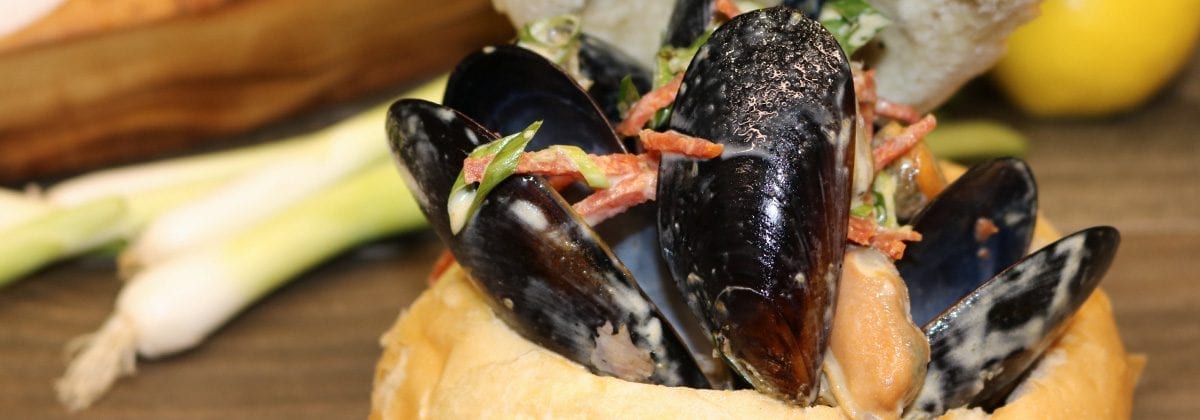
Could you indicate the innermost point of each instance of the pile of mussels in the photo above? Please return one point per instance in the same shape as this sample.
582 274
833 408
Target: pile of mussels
751 242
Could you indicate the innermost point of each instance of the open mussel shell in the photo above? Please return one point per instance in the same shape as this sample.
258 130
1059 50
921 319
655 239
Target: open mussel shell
953 257
544 271
756 236
984 344
544 92
606 66
506 87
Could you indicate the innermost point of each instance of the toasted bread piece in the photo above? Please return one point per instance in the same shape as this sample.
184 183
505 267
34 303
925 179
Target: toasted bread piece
933 47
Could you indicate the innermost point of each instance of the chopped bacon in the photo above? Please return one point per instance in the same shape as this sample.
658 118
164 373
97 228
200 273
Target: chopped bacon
675 142
560 182
643 110
443 263
726 8
864 86
902 113
552 162
896 146
861 230
627 191
891 241
864 91
864 231
984 229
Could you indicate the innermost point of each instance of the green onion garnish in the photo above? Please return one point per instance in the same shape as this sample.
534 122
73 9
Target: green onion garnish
507 152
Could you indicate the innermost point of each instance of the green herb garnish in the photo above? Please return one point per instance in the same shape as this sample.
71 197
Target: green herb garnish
627 95
507 152
592 174
853 22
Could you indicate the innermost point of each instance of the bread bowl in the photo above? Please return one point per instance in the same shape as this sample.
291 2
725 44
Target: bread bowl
753 234
448 356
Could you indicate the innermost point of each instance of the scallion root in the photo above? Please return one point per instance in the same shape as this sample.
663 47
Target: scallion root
97 360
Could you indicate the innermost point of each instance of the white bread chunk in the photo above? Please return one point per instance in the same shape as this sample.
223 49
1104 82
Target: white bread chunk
933 47
636 27
930 50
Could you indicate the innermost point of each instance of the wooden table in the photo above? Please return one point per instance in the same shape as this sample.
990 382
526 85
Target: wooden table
308 351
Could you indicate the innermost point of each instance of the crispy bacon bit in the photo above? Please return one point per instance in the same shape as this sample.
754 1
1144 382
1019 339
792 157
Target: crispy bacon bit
560 182
984 229
861 230
643 110
865 232
675 142
627 191
902 113
552 162
726 8
443 263
891 241
896 146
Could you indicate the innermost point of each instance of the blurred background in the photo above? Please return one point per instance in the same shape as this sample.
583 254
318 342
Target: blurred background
1100 96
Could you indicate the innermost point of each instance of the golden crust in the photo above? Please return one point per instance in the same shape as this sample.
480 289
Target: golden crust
448 356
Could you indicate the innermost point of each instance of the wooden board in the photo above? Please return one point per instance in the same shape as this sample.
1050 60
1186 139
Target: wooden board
308 351
98 84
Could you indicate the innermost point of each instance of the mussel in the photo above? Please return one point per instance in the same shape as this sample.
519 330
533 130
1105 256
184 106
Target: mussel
547 273
756 237
989 313
752 240
505 88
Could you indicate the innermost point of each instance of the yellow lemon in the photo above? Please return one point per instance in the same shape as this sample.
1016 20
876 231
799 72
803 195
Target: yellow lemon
1097 57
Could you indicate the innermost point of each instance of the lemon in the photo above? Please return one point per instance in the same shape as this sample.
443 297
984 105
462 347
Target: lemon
1097 57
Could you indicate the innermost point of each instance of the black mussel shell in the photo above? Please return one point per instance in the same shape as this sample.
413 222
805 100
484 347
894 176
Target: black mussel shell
756 236
545 272
981 346
950 261
606 66
506 87
689 20
536 89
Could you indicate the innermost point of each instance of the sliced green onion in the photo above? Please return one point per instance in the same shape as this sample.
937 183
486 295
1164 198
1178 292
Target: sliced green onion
173 305
853 23
885 200
57 234
862 210
592 174
671 61
627 95
465 199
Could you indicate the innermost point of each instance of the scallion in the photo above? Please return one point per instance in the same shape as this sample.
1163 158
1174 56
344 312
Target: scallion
174 304
506 151
59 233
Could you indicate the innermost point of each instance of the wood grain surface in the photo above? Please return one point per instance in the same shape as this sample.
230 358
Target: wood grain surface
309 350
155 77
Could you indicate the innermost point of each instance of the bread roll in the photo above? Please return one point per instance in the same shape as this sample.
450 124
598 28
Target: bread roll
448 356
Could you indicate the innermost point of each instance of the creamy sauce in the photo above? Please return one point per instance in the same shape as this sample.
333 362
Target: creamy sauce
616 354
529 215
457 207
